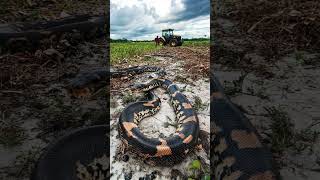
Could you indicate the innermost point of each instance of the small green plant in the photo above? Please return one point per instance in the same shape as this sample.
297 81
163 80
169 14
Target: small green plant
198 105
195 167
196 164
113 103
129 97
171 122
205 177
308 135
199 169
283 135
184 89
299 57
282 129
305 139
150 58
11 133
125 50
196 43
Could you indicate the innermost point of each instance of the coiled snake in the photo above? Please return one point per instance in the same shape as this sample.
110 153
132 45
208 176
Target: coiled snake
236 148
166 151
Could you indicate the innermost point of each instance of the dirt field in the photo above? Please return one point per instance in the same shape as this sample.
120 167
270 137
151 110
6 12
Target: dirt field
188 68
35 105
34 10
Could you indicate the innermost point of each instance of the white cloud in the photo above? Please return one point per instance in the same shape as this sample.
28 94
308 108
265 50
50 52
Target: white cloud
144 19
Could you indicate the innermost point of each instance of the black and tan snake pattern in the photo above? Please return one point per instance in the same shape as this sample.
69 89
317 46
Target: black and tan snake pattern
85 83
158 151
236 148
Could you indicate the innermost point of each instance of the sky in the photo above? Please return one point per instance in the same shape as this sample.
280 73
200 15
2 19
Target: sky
144 19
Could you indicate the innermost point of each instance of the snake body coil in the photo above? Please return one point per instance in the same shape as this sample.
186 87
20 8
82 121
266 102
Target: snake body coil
158 151
87 82
237 151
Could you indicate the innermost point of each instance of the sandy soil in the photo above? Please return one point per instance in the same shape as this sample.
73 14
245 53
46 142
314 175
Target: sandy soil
290 85
157 125
35 106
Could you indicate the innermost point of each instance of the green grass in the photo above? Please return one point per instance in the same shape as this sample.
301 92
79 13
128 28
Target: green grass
282 129
196 43
198 105
285 136
127 50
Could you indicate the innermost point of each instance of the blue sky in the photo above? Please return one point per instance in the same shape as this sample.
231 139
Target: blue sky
144 19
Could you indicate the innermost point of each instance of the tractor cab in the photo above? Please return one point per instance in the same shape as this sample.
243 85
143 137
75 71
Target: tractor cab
169 38
167 34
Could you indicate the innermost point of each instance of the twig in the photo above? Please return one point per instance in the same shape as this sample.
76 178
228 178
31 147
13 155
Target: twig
11 91
256 24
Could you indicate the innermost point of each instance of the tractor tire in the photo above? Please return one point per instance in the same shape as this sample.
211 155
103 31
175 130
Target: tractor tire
173 43
162 42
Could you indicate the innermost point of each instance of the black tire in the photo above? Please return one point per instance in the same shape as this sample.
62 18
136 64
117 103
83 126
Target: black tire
173 43
58 162
162 42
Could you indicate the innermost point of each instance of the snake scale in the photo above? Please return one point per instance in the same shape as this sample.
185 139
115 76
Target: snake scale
236 148
87 82
158 151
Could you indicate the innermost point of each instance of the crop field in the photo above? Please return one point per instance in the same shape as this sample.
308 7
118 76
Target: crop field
196 43
124 50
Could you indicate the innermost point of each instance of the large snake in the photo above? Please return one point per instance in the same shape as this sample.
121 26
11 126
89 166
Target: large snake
236 148
158 151
25 35
87 82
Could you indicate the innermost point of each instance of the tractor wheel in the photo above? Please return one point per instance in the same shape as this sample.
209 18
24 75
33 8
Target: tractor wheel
173 43
162 43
